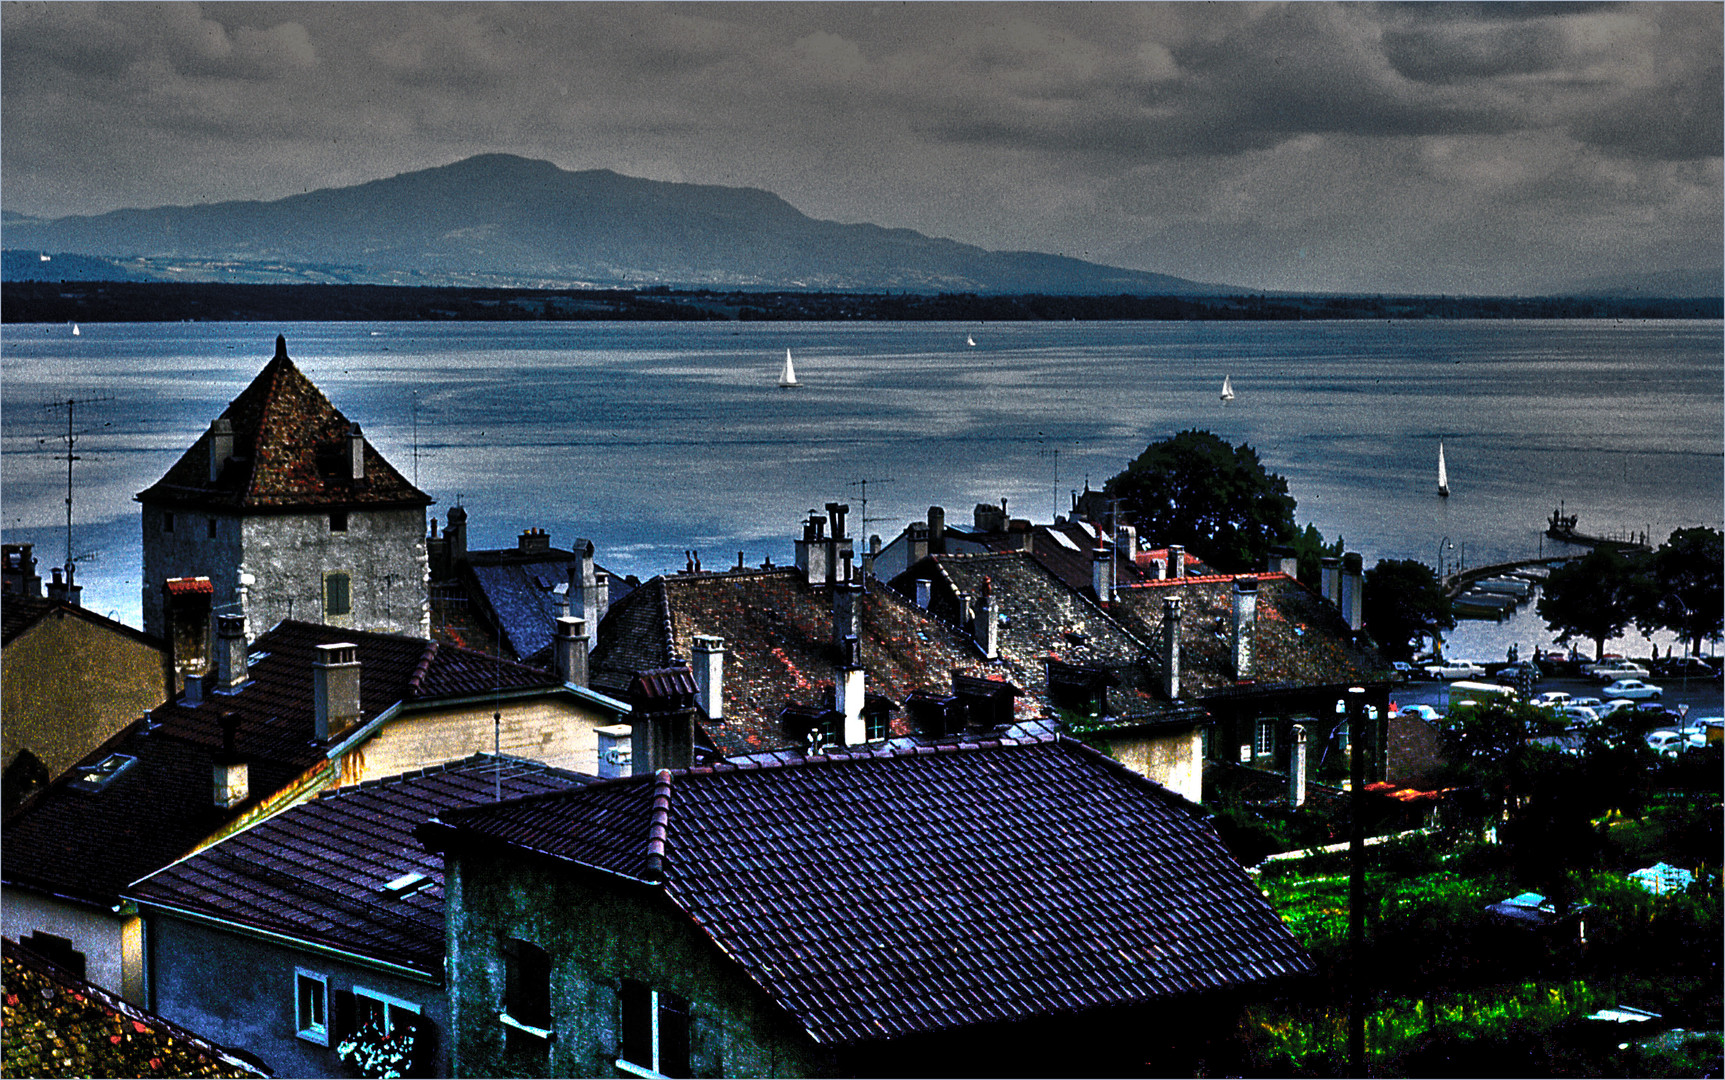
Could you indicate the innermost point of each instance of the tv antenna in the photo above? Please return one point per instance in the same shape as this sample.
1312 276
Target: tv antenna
71 455
1052 452
862 502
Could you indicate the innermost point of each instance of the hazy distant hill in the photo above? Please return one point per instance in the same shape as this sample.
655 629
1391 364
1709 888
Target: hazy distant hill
1654 283
498 219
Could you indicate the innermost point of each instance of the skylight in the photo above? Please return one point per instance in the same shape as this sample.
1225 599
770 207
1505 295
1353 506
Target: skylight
406 884
100 775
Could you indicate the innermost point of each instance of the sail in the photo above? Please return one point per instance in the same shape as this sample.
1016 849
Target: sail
75 330
788 377
969 340
1227 389
1442 472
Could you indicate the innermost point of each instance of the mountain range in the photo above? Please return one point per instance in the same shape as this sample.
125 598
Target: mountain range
498 219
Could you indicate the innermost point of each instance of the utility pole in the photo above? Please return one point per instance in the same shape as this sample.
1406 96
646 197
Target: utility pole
70 456
1356 881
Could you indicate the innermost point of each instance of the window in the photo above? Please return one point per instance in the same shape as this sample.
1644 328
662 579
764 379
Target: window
1264 738
311 1006
337 598
371 1008
527 997
877 724
100 775
655 1032
56 950
210 528
167 521
338 521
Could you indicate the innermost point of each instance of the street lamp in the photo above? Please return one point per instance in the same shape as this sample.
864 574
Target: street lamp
1682 638
1442 544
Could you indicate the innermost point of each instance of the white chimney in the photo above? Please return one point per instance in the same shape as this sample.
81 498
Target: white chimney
616 751
231 670
1353 587
1176 561
1159 569
1102 574
987 633
589 590
1245 623
569 648
1330 579
1297 769
221 445
1171 647
231 782
709 668
335 689
355 453
848 693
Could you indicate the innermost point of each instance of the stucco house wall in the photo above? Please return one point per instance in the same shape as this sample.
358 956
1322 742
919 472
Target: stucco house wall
112 944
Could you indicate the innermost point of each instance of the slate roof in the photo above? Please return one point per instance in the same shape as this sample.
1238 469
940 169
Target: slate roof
288 455
877 894
1299 640
317 871
56 1024
523 591
778 641
88 845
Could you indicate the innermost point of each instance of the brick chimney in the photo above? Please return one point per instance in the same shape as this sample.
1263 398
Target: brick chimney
230 666
1353 588
662 719
455 533
437 554
20 571
1330 579
1171 647
987 631
335 689
221 445
937 530
1283 560
1245 624
1126 542
812 550
1297 769
847 611
231 782
62 590
570 650
589 590
533 541
848 692
1176 561
709 669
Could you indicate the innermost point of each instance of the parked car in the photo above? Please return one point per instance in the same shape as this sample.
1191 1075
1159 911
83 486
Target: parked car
1622 670
1632 688
1456 669
1403 668
1551 698
1688 667
1588 703
1615 705
1578 715
1424 712
1666 743
1513 672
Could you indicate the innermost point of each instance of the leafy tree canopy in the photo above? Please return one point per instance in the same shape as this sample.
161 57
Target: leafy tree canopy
1217 500
1403 598
1594 597
1684 590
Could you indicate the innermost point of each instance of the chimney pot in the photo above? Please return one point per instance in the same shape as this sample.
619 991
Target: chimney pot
1171 647
229 779
1176 561
221 445
1245 624
355 453
710 676
335 689
231 668
1297 769
571 647
1352 596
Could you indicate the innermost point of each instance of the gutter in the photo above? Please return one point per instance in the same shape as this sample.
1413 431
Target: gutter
276 938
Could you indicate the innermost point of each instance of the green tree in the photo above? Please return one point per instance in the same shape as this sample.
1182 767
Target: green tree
1310 548
1217 500
1403 598
1594 597
1685 587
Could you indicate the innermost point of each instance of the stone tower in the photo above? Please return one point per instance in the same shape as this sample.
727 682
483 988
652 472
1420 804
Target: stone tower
290 513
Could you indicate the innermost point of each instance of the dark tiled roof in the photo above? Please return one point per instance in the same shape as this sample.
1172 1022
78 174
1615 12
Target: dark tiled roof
778 641
1299 639
522 592
317 872
882 894
56 1024
288 443
90 844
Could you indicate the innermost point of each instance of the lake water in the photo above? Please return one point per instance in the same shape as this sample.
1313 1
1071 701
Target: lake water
653 439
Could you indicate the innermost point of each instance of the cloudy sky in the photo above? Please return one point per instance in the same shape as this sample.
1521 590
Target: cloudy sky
1395 148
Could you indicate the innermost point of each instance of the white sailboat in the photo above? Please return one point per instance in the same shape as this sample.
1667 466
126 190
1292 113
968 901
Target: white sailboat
788 377
75 330
968 340
1442 473
1227 389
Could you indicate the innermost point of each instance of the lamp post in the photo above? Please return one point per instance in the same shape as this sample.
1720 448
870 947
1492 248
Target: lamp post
1682 638
1442 544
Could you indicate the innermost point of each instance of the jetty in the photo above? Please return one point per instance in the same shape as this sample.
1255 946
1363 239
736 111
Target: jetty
1561 526
1494 591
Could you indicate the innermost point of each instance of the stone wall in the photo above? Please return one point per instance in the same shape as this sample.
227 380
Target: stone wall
382 551
189 551
597 931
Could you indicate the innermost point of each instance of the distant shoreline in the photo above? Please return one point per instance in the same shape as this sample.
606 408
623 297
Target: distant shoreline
113 301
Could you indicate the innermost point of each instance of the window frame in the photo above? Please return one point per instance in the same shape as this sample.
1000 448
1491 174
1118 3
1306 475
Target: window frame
659 1005
318 1030
519 999
347 597
338 521
1264 737
389 1006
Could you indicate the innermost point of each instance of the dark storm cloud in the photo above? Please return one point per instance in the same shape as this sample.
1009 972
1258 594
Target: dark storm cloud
1305 145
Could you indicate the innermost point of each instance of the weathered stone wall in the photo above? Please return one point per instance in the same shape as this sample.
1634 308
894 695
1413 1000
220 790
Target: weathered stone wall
189 551
67 684
382 552
597 931
239 991
558 731
1174 761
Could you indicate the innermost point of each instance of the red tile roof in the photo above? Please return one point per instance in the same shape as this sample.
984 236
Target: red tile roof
289 447
883 893
56 1024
